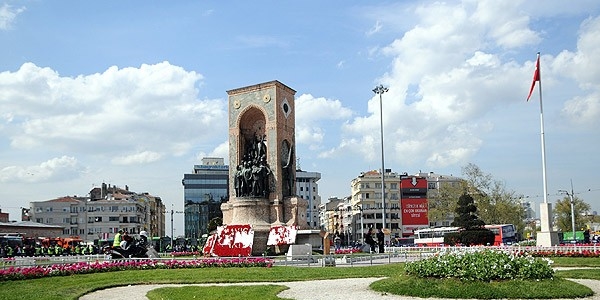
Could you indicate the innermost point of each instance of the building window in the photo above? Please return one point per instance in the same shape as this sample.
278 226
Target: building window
377 185
394 186
431 185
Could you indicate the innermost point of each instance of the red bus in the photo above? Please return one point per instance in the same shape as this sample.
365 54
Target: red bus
504 234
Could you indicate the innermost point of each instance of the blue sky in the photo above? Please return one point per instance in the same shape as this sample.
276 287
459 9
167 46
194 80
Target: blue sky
134 93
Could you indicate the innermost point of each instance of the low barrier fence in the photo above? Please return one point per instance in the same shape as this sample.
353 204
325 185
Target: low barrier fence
340 258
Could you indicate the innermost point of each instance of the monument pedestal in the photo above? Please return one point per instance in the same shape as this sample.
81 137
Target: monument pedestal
262 215
546 237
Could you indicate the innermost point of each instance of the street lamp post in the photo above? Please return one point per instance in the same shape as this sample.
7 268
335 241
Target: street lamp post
361 223
172 237
172 229
380 89
572 208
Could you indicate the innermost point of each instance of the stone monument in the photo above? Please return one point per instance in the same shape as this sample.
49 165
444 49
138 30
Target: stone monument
262 161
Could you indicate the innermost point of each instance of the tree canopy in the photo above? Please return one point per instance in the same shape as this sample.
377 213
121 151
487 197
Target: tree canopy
466 214
495 203
562 214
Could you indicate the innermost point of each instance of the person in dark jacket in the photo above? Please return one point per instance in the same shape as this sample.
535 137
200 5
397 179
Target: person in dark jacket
369 239
380 240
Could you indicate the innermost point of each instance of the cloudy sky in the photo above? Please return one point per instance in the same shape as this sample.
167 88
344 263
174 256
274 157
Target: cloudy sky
134 93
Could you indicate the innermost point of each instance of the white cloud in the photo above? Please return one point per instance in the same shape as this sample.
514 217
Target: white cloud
222 150
59 168
113 114
583 110
506 23
137 158
446 76
582 64
375 29
8 14
312 114
581 67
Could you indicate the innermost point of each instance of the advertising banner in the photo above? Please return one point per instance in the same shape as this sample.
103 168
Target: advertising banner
414 211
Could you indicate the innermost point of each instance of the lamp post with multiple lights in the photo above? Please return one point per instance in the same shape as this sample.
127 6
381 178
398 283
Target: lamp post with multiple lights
379 90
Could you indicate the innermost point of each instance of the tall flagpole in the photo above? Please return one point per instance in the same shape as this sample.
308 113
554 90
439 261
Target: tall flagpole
546 237
542 130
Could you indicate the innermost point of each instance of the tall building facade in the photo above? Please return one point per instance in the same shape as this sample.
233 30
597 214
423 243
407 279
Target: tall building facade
365 209
308 188
204 190
102 215
366 199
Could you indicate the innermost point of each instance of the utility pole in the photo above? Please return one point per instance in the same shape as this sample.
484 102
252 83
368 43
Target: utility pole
572 208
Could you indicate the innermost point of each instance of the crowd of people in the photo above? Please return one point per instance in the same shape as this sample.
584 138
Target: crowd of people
7 250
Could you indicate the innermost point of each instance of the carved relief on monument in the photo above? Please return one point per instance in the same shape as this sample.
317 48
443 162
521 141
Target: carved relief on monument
287 170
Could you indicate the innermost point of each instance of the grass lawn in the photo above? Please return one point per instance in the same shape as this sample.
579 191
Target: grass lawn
578 262
72 287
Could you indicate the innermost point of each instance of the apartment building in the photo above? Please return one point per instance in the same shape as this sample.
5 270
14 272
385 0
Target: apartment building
103 214
308 188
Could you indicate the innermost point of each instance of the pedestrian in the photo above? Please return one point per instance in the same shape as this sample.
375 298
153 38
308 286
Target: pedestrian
369 239
117 241
381 240
338 242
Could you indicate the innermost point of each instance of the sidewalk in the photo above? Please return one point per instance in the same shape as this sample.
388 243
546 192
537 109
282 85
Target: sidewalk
335 289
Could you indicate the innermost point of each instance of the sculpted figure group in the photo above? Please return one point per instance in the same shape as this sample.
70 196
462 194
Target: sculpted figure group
252 174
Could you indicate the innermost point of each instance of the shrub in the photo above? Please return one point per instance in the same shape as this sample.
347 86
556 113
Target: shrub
481 265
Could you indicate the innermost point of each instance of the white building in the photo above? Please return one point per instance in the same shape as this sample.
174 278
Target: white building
98 218
308 188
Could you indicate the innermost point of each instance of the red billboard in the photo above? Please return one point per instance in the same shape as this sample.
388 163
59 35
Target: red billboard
414 211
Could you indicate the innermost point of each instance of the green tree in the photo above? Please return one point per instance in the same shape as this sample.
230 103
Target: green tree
443 204
562 214
473 231
466 214
496 204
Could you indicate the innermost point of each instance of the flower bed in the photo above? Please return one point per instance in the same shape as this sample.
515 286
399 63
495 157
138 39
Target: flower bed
562 253
348 251
185 253
19 273
482 265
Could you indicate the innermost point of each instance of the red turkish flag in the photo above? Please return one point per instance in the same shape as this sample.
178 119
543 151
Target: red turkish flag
536 76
